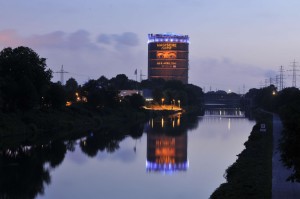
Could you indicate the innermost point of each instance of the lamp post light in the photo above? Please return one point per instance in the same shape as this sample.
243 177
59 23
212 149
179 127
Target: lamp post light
162 101
173 103
179 103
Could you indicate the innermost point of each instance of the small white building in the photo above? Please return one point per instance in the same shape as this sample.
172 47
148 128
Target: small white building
124 93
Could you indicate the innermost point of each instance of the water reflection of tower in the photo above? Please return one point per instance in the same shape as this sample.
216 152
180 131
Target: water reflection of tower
166 146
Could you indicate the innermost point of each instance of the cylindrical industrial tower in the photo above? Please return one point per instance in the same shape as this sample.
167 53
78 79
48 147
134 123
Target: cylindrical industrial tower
168 56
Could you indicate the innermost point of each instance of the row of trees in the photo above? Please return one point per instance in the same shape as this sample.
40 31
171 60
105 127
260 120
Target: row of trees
286 104
24 78
25 84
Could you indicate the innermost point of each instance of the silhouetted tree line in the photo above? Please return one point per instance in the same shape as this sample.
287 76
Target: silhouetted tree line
24 78
286 104
188 94
289 111
25 84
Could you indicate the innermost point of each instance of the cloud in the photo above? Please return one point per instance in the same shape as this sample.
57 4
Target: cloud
77 156
51 40
9 38
126 39
54 40
83 56
104 39
224 74
125 155
81 39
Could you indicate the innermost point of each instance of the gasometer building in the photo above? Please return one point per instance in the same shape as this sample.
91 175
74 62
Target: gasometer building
168 56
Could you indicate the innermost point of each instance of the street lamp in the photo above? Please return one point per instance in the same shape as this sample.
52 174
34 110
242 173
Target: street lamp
179 103
173 104
162 101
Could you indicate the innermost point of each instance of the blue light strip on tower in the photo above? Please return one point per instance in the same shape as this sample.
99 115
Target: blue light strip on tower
168 37
166 168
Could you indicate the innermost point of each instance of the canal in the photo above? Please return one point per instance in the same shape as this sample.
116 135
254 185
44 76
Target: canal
172 157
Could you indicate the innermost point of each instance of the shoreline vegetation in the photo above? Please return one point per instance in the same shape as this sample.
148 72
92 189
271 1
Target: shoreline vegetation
38 126
251 175
34 110
32 107
43 126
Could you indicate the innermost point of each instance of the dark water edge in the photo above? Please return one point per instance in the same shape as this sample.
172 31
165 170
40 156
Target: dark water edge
26 160
37 127
40 138
251 175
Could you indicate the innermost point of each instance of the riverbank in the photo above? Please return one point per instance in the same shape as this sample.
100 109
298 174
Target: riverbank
36 126
251 175
41 126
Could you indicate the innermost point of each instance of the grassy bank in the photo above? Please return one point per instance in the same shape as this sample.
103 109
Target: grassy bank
251 175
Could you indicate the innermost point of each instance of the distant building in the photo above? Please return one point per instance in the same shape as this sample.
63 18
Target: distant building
147 94
168 56
124 93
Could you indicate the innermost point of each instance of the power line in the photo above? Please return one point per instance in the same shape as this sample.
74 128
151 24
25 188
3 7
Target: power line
62 72
281 78
141 76
294 82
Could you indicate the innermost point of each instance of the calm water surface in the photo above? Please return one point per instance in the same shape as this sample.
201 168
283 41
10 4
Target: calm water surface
173 158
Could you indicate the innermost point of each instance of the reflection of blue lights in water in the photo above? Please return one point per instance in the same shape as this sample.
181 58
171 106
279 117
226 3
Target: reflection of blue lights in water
166 168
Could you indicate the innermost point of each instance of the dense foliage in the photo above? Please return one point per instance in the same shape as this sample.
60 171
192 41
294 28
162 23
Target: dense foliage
29 100
24 78
250 176
174 90
289 111
286 103
35 111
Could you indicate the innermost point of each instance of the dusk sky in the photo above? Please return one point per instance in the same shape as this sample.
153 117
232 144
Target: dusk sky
232 42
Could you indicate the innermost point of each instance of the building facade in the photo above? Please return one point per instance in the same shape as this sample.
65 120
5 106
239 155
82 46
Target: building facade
168 57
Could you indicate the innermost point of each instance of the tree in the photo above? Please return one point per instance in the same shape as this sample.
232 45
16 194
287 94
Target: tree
103 82
27 96
56 96
195 94
121 82
136 101
22 69
71 89
98 96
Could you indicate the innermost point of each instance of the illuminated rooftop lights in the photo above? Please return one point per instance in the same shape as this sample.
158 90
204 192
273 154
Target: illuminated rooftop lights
166 168
168 37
